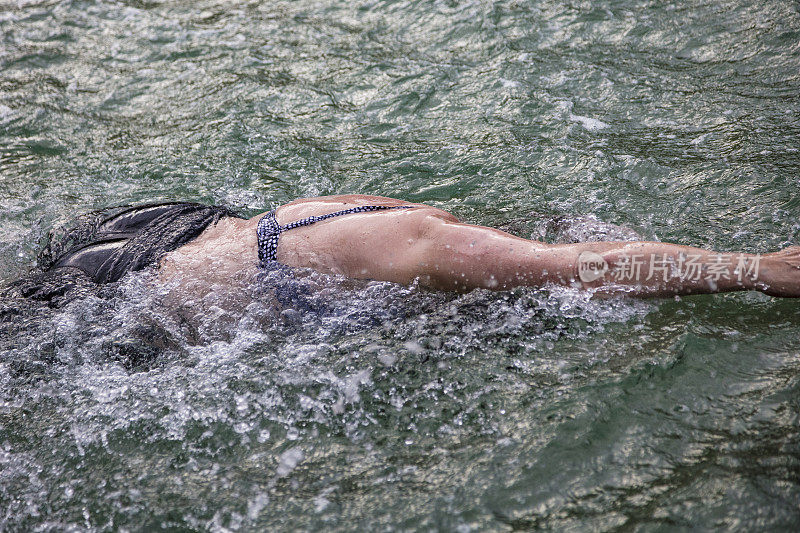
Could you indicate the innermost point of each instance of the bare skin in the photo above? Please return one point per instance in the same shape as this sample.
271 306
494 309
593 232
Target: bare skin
434 247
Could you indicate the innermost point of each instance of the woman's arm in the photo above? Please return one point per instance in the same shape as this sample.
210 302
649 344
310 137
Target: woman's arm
433 246
452 255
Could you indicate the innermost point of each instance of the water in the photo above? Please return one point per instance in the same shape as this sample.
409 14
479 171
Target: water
369 405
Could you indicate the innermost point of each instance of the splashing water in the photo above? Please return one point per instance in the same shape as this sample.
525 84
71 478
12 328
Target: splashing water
302 401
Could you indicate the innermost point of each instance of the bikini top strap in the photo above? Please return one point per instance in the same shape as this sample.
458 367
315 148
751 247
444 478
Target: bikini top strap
360 209
268 229
267 233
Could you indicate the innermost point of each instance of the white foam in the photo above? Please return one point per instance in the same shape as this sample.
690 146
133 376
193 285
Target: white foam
255 505
591 124
289 460
5 112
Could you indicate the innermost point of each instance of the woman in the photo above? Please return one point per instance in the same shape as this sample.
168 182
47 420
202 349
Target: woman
378 238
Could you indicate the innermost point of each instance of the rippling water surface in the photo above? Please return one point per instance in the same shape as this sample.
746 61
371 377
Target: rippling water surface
344 405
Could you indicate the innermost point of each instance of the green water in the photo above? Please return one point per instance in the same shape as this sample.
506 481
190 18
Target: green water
387 407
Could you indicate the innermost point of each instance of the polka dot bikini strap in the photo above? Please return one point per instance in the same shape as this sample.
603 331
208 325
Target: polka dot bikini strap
267 234
269 230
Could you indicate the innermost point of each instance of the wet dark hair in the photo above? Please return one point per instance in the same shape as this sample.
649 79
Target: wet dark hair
103 246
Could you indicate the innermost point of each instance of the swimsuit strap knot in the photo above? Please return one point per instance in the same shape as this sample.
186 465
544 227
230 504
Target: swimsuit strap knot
267 233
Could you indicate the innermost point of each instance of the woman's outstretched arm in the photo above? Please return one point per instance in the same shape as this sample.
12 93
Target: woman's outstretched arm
454 256
433 246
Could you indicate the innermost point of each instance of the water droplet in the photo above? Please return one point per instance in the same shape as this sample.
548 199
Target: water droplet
288 461
414 347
